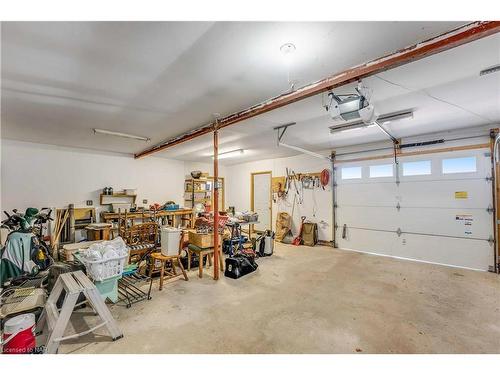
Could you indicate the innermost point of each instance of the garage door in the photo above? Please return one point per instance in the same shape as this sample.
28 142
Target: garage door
438 212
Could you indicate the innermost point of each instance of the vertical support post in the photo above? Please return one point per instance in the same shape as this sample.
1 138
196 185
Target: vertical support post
334 202
216 202
397 151
494 190
72 223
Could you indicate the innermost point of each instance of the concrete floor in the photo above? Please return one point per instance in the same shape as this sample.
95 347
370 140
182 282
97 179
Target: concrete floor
313 300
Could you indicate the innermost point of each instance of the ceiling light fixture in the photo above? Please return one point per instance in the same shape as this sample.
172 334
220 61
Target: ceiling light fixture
382 119
230 154
123 135
287 49
491 69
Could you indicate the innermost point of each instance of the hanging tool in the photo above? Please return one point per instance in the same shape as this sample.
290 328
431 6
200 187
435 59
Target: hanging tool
298 192
307 182
325 178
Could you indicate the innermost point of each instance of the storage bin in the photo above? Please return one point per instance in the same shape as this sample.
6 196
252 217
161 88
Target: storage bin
103 269
170 239
171 207
108 288
202 240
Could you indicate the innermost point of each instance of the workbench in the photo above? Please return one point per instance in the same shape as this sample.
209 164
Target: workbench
174 217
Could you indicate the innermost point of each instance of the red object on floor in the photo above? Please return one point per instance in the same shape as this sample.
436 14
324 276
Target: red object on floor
18 335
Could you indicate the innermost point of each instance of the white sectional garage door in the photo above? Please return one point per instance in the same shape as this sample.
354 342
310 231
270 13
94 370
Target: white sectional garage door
440 212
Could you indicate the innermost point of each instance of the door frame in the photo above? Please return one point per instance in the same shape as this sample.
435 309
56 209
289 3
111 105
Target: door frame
252 194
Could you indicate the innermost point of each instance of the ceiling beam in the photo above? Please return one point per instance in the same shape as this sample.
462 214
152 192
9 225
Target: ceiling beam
443 42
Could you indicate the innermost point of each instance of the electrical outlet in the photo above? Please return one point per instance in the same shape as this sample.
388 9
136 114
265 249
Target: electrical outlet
144 201
89 203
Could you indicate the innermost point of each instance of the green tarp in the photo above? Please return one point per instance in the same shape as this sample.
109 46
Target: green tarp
16 256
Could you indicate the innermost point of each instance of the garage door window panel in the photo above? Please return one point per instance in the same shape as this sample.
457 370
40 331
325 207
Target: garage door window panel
417 168
459 165
381 170
351 173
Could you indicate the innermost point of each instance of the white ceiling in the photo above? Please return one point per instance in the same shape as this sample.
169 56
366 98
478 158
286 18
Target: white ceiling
444 91
160 79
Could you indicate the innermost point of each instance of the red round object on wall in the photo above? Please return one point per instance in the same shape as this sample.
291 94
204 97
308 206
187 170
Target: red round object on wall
325 177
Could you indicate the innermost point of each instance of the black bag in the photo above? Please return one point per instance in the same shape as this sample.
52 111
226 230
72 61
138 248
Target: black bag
239 265
195 261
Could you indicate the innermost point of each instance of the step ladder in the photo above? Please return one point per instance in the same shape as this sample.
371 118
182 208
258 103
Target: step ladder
73 283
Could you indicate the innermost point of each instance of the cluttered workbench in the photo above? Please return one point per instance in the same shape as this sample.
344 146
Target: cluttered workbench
176 217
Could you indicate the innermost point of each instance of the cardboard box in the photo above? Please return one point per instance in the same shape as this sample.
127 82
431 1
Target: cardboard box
201 240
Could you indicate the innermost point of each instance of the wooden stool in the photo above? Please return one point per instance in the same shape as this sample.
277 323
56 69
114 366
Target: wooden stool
201 252
170 275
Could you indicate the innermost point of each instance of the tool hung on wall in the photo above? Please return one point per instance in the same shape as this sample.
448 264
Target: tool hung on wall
308 182
325 178
278 188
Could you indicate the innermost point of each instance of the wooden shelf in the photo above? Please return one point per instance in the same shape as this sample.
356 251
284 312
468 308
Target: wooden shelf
192 187
118 195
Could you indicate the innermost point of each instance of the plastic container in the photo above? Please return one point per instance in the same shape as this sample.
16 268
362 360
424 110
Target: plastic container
103 269
18 335
170 239
171 207
108 288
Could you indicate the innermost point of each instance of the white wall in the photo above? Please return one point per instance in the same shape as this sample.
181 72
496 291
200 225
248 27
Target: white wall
50 176
317 203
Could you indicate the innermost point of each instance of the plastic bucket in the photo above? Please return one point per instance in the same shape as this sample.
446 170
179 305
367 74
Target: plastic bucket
18 335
